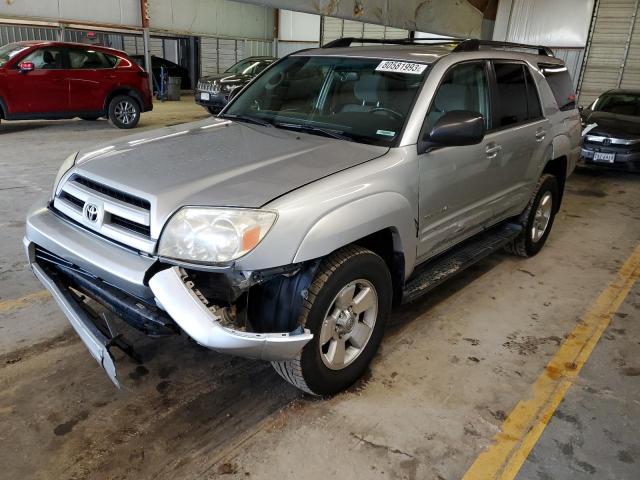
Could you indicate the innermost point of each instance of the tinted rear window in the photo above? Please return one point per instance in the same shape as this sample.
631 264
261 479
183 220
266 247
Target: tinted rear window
512 95
561 85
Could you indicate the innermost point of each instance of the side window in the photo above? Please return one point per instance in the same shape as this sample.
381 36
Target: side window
561 85
464 87
45 58
511 90
534 108
88 59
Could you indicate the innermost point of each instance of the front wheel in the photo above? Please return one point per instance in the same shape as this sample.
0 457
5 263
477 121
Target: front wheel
346 309
537 219
124 111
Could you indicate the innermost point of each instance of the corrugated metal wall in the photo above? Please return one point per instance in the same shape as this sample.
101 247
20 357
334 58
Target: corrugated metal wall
19 33
334 28
573 58
218 54
16 33
613 58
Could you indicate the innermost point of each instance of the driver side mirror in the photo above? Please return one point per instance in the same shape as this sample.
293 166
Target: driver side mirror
26 67
454 128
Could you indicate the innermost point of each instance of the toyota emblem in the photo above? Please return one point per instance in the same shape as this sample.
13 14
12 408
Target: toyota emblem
90 212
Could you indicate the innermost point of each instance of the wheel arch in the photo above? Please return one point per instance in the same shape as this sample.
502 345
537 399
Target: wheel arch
384 223
3 108
558 168
123 90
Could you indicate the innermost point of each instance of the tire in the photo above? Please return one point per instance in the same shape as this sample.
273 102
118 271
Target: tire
530 241
90 119
349 269
124 112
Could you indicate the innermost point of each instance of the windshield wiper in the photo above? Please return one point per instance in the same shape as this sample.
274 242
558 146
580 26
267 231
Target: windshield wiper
313 129
246 118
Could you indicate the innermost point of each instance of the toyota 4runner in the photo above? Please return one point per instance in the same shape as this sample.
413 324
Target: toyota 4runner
341 181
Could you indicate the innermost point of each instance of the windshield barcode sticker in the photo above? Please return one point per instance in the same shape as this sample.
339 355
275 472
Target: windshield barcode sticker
386 133
401 67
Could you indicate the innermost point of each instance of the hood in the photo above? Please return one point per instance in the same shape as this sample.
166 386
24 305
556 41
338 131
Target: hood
613 125
217 162
233 78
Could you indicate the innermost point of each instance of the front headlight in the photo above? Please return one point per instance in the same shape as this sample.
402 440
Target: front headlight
214 235
67 165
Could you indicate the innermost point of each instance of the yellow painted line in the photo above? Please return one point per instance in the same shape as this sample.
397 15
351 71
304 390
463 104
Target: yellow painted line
22 302
523 427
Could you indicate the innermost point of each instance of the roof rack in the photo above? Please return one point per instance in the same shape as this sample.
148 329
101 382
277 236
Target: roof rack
462 44
347 41
472 44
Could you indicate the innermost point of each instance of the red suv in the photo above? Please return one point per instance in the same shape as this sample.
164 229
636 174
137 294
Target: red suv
54 80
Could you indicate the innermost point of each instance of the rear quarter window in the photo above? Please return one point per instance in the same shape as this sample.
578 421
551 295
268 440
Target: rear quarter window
561 85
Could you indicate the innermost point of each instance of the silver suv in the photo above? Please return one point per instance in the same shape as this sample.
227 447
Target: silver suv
341 181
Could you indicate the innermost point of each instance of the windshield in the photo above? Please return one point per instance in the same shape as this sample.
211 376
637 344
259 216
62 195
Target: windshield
7 52
364 100
248 66
618 103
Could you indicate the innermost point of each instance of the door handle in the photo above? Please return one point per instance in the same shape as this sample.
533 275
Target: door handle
540 134
492 150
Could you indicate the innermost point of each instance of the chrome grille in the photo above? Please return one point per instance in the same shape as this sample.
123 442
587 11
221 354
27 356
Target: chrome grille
211 87
118 215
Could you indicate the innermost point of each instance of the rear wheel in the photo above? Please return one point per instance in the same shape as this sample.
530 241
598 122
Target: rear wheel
537 219
346 309
124 111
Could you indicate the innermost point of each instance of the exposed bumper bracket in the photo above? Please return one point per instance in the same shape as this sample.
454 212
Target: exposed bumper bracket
96 342
204 326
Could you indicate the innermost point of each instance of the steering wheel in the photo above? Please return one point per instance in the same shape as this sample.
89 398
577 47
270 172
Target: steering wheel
388 110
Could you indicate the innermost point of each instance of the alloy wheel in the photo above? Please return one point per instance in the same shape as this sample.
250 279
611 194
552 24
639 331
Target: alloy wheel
348 324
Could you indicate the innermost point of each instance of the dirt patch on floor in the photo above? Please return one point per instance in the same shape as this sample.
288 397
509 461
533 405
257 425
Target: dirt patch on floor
527 345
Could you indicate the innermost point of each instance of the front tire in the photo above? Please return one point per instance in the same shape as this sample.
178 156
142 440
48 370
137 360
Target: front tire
346 309
537 219
124 112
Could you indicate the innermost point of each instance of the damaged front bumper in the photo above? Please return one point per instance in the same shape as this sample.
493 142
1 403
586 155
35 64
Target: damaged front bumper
170 287
205 324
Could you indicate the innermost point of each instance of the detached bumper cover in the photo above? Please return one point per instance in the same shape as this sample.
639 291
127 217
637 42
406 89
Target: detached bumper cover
204 325
110 265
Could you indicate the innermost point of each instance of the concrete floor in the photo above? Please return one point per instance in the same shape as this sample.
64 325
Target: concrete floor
451 368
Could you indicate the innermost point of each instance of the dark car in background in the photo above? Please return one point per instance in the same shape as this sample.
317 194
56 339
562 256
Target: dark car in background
172 69
56 80
213 92
612 130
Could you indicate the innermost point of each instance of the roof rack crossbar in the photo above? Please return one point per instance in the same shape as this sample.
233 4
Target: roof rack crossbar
347 41
474 44
462 44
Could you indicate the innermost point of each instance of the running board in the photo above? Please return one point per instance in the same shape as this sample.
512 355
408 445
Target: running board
434 272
